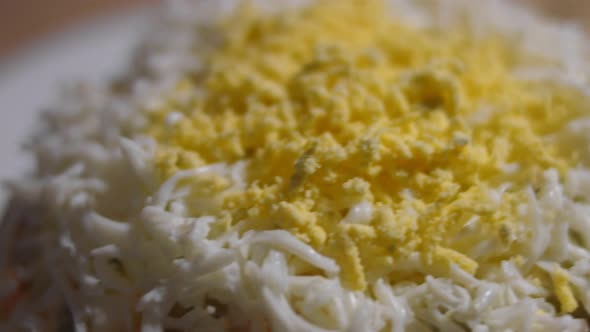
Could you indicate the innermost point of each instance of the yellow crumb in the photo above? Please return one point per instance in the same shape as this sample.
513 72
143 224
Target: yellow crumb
563 290
453 257
329 111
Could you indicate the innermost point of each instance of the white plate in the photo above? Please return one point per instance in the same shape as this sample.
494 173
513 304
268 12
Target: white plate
30 79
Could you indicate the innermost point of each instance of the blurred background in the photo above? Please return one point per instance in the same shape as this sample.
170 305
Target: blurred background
23 21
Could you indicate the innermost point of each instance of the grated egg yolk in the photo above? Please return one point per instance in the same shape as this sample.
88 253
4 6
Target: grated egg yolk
370 140
563 290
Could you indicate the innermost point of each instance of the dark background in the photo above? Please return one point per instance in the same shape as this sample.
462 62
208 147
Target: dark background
23 21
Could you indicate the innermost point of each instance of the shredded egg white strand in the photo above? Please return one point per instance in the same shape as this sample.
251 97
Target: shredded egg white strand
250 273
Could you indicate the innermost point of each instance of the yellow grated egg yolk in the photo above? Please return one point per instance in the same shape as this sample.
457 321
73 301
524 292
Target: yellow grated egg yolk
367 139
563 291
